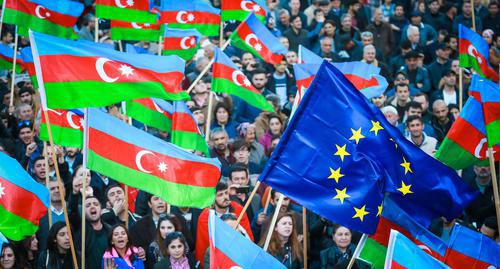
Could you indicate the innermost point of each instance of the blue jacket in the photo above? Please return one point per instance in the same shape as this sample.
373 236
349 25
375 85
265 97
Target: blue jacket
421 77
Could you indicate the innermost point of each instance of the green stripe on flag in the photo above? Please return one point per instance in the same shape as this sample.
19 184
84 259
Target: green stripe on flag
493 133
238 15
225 86
241 44
172 193
466 61
189 140
149 117
124 14
374 253
6 65
76 94
134 34
26 21
184 54
63 136
204 29
14 227
456 157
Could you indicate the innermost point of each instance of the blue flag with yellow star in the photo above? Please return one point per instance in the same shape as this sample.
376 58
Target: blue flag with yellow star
339 157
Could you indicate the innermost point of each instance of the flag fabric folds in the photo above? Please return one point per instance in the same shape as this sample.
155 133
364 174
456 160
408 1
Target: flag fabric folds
181 42
95 76
125 10
308 57
29 65
339 155
474 52
145 162
7 58
122 30
45 16
153 112
193 14
255 38
227 78
23 201
239 9
185 131
66 127
230 249
402 253
469 249
489 94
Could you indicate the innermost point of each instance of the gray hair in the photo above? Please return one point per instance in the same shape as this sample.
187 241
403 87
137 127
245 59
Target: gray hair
283 11
367 47
411 28
366 34
217 131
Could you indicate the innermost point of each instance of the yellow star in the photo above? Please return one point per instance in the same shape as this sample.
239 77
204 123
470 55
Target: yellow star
356 135
406 165
341 152
335 174
360 213
395 144
376 127
405 189
380 207
341 195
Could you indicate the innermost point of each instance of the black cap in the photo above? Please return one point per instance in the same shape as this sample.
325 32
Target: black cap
416 14
411 54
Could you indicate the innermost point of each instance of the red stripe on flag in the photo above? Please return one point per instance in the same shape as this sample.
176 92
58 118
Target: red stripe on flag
360 82
184 122
245 5
41 12
189 17
244 30
304 83
179 43
221 70
458 260
463 48
178 171
21 202
136 4
72 66
62 118
395 265
134 25
150 104
471 141
220 260
491 111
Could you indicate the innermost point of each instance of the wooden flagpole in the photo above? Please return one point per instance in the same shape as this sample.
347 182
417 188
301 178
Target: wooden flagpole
46 163
13 76
160 45
273 222
209 115
268 200
495 185
96 29
473 16
304 234
247 204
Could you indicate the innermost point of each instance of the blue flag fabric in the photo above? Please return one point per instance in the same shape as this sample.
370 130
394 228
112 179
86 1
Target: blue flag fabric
339 155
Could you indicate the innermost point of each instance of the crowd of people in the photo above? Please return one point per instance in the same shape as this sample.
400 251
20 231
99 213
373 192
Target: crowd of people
415 45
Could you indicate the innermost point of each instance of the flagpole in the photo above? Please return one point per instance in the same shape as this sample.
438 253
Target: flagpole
13 76
247 204
304 234
460 88
473 16
61 190
495 185
268 200
209 116
358 249
160 44
46 162
96 34
273 221
84 186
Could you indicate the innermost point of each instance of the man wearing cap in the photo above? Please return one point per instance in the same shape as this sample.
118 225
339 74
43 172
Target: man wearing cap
441 65
418 76
427 33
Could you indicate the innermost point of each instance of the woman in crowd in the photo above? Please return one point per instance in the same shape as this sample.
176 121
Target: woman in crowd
339 255
120 253
275 129
30 253
284 244
247 132
328 29
157 249
222 116
9 258
177 253
58 254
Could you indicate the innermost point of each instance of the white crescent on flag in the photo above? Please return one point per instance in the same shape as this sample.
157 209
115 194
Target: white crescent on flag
99 65
138 158
479 149
69 118
474 53
184 42
179 18
38 12
119 4
249 6
257 46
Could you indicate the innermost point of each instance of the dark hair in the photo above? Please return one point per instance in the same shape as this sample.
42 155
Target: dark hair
414 105
51 243
110 237
38 158
401 86
224 106
17 259
422 94
176 235
112 185
412 118
177 226
239 144
491 222
259 71
294 17
229 216
238 167
337 226
330 22
221 186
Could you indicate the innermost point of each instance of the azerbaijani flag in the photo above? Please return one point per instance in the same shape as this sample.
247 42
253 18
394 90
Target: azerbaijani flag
465 143
230 249
125 10
66 127
308 57
7 57
227 78
153 112
95 76
23 201
185 131
123 30
29 65
255 38
394 218
145 162
489 94
403 253
136 50
44 16
239 9
469 249
181 42
474 52
192 14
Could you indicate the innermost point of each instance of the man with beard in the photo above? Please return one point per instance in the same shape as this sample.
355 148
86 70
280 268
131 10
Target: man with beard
220 150
73 158
221 206
244 112
199 117
441 120
482 207
116 207
143 232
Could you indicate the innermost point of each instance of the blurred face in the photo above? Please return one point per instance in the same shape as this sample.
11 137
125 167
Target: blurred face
246 58
347 23
284 205
421 99
367 40
199 117
453 43
6 99
119 238
487 231
297 23
402 93
55 193
401 79
391 118
241 155
80 175
8 259
488 38
259 81
220 141
222 199
34 243
414 112
467 9
275 126
450 80
412 63
239 178
342 237
295 4
434 7
26 135
455 112
284 18
291 57
326 45
379 101
25 98
158 206
329 29
493 9
443 54
455 66
222 115
116 194
440 111
176 249
369 55
482 171
62 239
284 227
414 36
250 136
166 227
92 209
415 127
71 152
378 15
399 11
39 169
280 68
284 41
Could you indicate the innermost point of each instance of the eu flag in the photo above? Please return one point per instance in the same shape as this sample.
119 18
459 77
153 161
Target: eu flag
339 157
